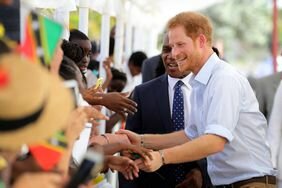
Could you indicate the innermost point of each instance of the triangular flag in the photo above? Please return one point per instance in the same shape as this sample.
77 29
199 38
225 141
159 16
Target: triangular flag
41 38
51 32
28 47
47 154
47 157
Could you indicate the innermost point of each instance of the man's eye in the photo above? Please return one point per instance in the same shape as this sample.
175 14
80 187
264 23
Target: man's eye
166 50
180 44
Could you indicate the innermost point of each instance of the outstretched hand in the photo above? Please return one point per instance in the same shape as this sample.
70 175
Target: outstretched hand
93 114
134 152
119 102
133 137
151 165
122 164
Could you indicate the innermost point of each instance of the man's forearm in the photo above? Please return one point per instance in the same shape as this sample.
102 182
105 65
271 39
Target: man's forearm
162 141
194 150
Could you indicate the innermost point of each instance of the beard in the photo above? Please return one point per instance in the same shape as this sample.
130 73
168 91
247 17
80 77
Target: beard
188 62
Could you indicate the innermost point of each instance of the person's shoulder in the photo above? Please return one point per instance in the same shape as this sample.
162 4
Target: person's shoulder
152 83
152 59
225 70
227 74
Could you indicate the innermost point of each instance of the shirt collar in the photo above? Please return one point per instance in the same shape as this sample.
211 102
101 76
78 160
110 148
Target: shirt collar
172 81
205 72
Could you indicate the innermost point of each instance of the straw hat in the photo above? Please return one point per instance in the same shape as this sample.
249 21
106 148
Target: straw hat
33 103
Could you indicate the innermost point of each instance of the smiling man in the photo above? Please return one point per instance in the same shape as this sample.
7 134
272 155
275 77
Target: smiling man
155 116
225 124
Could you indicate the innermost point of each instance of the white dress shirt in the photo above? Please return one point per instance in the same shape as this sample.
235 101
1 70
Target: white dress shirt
274 133
275 127
223 103
186 90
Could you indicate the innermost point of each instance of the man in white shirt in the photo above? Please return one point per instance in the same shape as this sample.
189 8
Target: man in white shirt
225 123
274 133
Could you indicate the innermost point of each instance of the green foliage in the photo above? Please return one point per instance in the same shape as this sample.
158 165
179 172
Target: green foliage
245 28
94 26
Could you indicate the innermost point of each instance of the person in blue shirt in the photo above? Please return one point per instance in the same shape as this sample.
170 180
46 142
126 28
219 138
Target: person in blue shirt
225 124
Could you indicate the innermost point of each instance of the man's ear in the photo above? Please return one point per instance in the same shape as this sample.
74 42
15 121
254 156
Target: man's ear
202 40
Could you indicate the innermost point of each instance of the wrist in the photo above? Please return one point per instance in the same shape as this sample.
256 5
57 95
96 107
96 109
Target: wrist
106 138
142 141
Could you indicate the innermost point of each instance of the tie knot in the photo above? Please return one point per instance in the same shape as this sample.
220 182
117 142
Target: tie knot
178 84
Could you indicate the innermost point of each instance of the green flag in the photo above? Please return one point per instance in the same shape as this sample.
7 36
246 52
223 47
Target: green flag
50 34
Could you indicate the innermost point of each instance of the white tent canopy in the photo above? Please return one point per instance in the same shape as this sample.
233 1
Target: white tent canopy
145 12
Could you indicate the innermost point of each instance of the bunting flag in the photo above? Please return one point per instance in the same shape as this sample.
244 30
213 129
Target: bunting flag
47 154
28 47
41 38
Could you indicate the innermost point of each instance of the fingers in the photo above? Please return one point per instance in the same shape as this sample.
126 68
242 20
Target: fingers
147 153
143 152
131 171
123 131
94 114
135 170
99 116
95 123
129 106
124 110
140 163
123 114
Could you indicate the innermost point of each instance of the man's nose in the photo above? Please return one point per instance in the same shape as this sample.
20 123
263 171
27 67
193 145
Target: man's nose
169 56
174 52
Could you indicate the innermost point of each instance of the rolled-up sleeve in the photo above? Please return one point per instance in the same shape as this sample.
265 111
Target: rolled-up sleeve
220 131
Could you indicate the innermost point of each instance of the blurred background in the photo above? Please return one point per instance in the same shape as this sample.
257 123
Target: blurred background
245 31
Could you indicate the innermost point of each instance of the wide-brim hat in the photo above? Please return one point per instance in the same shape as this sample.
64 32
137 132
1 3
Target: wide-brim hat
34 104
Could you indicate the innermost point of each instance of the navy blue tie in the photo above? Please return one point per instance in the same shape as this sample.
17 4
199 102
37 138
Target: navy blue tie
178 107
178 123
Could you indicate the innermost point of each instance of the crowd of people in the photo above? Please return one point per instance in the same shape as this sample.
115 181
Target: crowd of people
195 121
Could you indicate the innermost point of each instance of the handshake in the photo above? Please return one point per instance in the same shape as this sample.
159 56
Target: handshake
136 155
133 157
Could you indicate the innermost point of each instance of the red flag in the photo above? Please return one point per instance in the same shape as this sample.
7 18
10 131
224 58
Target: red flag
28 47
42 36
46 156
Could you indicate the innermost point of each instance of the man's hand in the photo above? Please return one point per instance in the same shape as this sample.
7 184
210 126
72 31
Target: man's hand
151 165
122 164
134 138
133 152
193 179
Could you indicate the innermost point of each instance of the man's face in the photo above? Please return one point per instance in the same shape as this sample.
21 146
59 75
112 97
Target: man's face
169 62
86 46
185 51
